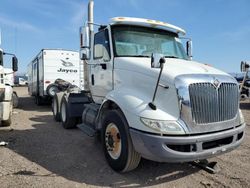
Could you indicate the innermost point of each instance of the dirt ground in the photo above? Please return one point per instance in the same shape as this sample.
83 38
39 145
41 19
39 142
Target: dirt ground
40 153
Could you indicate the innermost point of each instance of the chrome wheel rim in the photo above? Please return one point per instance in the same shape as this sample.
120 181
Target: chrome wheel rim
113 141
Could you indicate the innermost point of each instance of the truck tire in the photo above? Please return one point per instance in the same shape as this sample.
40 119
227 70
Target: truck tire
67 121
52 89
55 107
15 99
7 123
118 148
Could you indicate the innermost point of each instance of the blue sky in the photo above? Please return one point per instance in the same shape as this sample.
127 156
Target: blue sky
220 29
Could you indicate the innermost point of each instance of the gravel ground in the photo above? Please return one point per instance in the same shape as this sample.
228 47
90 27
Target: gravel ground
40 153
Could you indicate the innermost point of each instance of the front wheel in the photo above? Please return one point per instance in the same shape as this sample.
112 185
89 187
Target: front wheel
117 144
7 123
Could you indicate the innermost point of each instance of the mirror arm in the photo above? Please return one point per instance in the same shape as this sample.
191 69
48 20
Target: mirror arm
9 73
5 53
151 104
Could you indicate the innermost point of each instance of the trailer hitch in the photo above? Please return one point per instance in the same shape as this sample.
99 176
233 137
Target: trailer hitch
210 167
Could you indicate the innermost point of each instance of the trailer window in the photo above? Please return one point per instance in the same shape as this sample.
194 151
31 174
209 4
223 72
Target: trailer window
101 45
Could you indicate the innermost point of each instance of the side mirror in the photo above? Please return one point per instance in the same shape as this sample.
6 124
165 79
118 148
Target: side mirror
85 54
244 66
84 43
157 60
14 64
99 51
189 46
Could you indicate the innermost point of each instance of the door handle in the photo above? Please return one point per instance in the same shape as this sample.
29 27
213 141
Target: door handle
104 66
92 79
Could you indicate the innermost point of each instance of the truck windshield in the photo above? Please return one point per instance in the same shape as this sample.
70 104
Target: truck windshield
135 41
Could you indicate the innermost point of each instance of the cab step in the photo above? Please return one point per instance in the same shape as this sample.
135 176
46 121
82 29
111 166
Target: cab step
87 129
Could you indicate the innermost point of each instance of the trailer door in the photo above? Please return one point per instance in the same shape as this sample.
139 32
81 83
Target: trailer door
35 84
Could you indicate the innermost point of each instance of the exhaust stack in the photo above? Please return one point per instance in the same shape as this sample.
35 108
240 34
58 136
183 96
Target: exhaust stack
91 15
91 35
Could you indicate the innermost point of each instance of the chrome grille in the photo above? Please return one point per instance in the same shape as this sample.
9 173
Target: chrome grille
210 104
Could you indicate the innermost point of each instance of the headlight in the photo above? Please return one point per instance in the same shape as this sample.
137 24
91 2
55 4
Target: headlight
242 120
164 127
2 91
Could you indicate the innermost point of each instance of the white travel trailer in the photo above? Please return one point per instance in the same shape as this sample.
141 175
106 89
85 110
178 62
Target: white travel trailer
49 65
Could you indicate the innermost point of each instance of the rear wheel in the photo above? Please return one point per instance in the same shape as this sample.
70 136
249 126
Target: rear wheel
56 106
117 144
67 121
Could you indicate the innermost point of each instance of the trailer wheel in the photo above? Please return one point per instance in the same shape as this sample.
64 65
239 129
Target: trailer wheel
117 144
67 122
38 100
55 108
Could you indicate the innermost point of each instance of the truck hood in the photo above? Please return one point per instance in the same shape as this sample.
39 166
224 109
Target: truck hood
172 67
178 67
173 101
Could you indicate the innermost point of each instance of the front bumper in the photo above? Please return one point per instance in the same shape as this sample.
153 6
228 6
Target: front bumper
186 148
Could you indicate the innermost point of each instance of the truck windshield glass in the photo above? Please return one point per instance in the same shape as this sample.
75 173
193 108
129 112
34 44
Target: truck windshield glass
134 41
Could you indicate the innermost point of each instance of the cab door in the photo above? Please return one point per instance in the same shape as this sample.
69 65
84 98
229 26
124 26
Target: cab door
101 67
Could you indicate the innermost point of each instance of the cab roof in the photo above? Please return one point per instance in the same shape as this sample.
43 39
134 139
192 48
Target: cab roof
147 23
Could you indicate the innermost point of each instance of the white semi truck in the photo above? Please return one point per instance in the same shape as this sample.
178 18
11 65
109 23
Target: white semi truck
9 81
6 90
147 98
49 65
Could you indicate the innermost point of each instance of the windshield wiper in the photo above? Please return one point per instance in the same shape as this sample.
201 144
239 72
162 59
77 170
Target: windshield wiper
171 56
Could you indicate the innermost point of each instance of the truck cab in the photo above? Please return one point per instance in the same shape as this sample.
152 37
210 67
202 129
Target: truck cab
196 108
147 98
6 90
